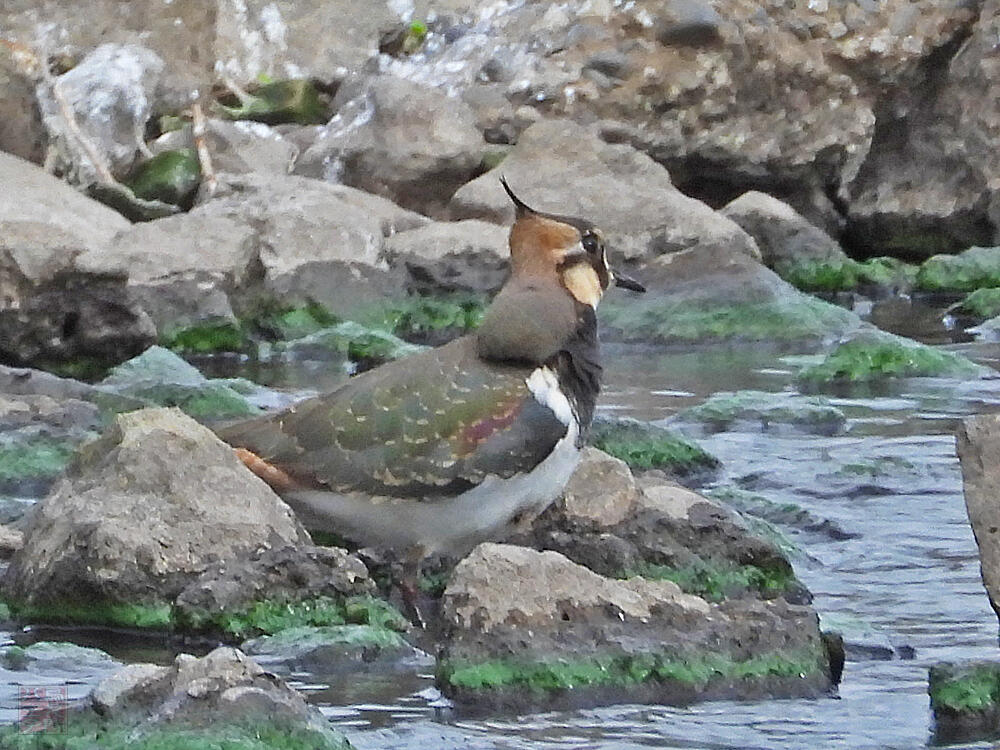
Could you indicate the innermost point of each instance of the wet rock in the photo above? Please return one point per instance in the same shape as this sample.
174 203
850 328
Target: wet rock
771 410
559 165
334 649
645 446
596 640
280 102
366 347
972 269
978 442
800 252
56 314
11 540
688 23
784 514
170 177
237 147
863 641
158 377
710 294
447 257
279 575
218 693
964 700
980 305
410 143
871 354
111 94
58 658
83 549
32 195
38 435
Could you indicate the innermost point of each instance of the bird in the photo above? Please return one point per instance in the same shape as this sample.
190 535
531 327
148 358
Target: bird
452 446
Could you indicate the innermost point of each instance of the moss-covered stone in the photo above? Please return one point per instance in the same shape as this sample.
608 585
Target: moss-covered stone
33 460
645 446
786 514
716 581
885 271
828 275
84 730
877 467
276 322
171 177
656 318
362 345
882 355
276 102
207 338
270 617
980 304
972 688
721 409
144 616
973 269
430 320
695 670
329 646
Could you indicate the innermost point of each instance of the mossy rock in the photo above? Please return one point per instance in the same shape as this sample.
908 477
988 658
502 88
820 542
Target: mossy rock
786 514
206 338
33 462
717 581
980 304
85 730
429 320
273 616
811 413
976 268
330 647
830 275
965 700
364 346
143 616
885 271
882 355
277 102
645 446
795 318
276 322
171 177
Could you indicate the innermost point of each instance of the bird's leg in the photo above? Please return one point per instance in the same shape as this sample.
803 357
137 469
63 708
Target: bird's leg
409 585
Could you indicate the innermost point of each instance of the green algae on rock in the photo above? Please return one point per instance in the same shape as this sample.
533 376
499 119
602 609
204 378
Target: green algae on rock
965 700
170 177
811 413
847 274
329 646
33 461
972 269
433 320
715 581
876 354
206 338
143 616
646 446
364 346
290 101
982 303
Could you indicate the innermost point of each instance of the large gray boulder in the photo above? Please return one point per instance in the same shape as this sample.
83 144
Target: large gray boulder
141 513
567 169
595 639
978 440
408 142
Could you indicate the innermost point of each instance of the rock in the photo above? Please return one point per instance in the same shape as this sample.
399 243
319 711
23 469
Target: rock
21 130
32 195
223 692
365 347
964 700
781 513
710 294
51 312
158 377
800 252
771 410
38 435
237 147
407 142
601 490
871 354
972 269
334 649
279 575
561 166
863 641
978 440
981 304
83 549
287 101
11 540
171 177
111 95
596 640
57 658
445 257
644 446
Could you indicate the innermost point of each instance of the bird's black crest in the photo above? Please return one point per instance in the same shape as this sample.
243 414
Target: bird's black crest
519 205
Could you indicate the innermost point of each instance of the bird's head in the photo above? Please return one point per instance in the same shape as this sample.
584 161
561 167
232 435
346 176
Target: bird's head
568 249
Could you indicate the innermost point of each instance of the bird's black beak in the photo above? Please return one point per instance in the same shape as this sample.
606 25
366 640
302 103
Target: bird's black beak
627 282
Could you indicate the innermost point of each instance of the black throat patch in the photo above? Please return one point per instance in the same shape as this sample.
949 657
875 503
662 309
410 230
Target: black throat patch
578 367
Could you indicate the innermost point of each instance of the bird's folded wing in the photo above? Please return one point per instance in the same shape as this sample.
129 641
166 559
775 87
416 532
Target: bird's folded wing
428 426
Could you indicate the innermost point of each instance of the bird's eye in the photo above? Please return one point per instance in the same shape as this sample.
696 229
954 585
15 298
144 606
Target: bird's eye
591 244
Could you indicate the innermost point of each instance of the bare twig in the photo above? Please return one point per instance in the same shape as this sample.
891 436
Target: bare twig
199 129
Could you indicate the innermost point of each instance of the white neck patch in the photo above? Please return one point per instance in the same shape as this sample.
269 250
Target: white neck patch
544 386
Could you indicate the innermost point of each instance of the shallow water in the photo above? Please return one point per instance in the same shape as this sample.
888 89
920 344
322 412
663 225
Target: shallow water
910 570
